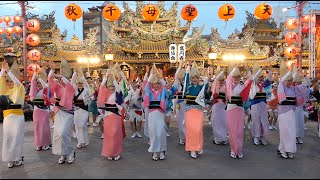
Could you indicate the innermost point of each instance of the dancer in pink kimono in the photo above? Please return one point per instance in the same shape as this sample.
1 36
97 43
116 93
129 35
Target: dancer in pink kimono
195 93
288 96
154 100
237 93
41 121
111 100
63 118
218 117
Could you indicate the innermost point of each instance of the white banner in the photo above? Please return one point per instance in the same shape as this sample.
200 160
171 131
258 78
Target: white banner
172 53
181 52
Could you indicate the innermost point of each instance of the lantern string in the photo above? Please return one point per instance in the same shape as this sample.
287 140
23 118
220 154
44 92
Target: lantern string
225 26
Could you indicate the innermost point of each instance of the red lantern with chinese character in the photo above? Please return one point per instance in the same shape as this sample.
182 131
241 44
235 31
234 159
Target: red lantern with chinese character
10 49
292 23
0 20
291 37
305 29
290 51
17 29
305 18
7 20
73 12
33 25
226 12
1 31
33 40
263 11
150 12
34 55
189 12
9 31
31 68
111 12
17 19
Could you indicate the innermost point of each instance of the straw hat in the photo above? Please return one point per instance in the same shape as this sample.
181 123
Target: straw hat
283 70
156 76
218 71
194 70
43 75
110 80
181 73
256 68
236 73
14 70
65 69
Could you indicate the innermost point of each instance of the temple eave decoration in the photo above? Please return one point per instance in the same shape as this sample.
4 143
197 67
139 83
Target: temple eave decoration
135 40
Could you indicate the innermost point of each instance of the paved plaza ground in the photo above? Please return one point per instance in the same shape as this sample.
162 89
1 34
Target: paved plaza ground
136 162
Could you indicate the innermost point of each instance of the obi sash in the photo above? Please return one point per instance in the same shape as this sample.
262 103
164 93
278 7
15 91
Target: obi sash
190 100
289 101
237 100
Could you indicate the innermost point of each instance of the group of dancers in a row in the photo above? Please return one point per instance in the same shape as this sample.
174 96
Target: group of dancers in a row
151 99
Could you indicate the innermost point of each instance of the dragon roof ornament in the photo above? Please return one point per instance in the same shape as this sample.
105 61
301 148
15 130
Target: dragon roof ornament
133 28
234 42
75 44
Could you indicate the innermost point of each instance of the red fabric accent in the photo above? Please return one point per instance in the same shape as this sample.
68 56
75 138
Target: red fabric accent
123 127
245 93
260 87
139 112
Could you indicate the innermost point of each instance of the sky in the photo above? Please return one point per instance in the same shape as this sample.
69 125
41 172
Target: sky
207 13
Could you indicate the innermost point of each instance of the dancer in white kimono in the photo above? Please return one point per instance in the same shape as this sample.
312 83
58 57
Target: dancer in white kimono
180 106
12 95
218 117
259 93
288 98
81 102
299 113
63 118
154 98
134 110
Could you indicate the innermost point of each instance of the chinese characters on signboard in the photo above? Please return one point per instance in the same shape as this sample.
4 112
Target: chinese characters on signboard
172 53
181 52
177 53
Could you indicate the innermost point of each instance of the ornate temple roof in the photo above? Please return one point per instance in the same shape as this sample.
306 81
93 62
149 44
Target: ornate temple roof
133 39
71 50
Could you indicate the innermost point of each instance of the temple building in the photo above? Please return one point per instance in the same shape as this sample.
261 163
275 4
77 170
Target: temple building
135 42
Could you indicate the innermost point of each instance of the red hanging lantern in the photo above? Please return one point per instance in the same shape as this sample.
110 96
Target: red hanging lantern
0 20
1 31
290 51
263 11
226 12
33 40
305 18
292 23
189 12
17 19
7 20
34 55
291 37
17 29
9 31
31 68
33 25
305 29
150 12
